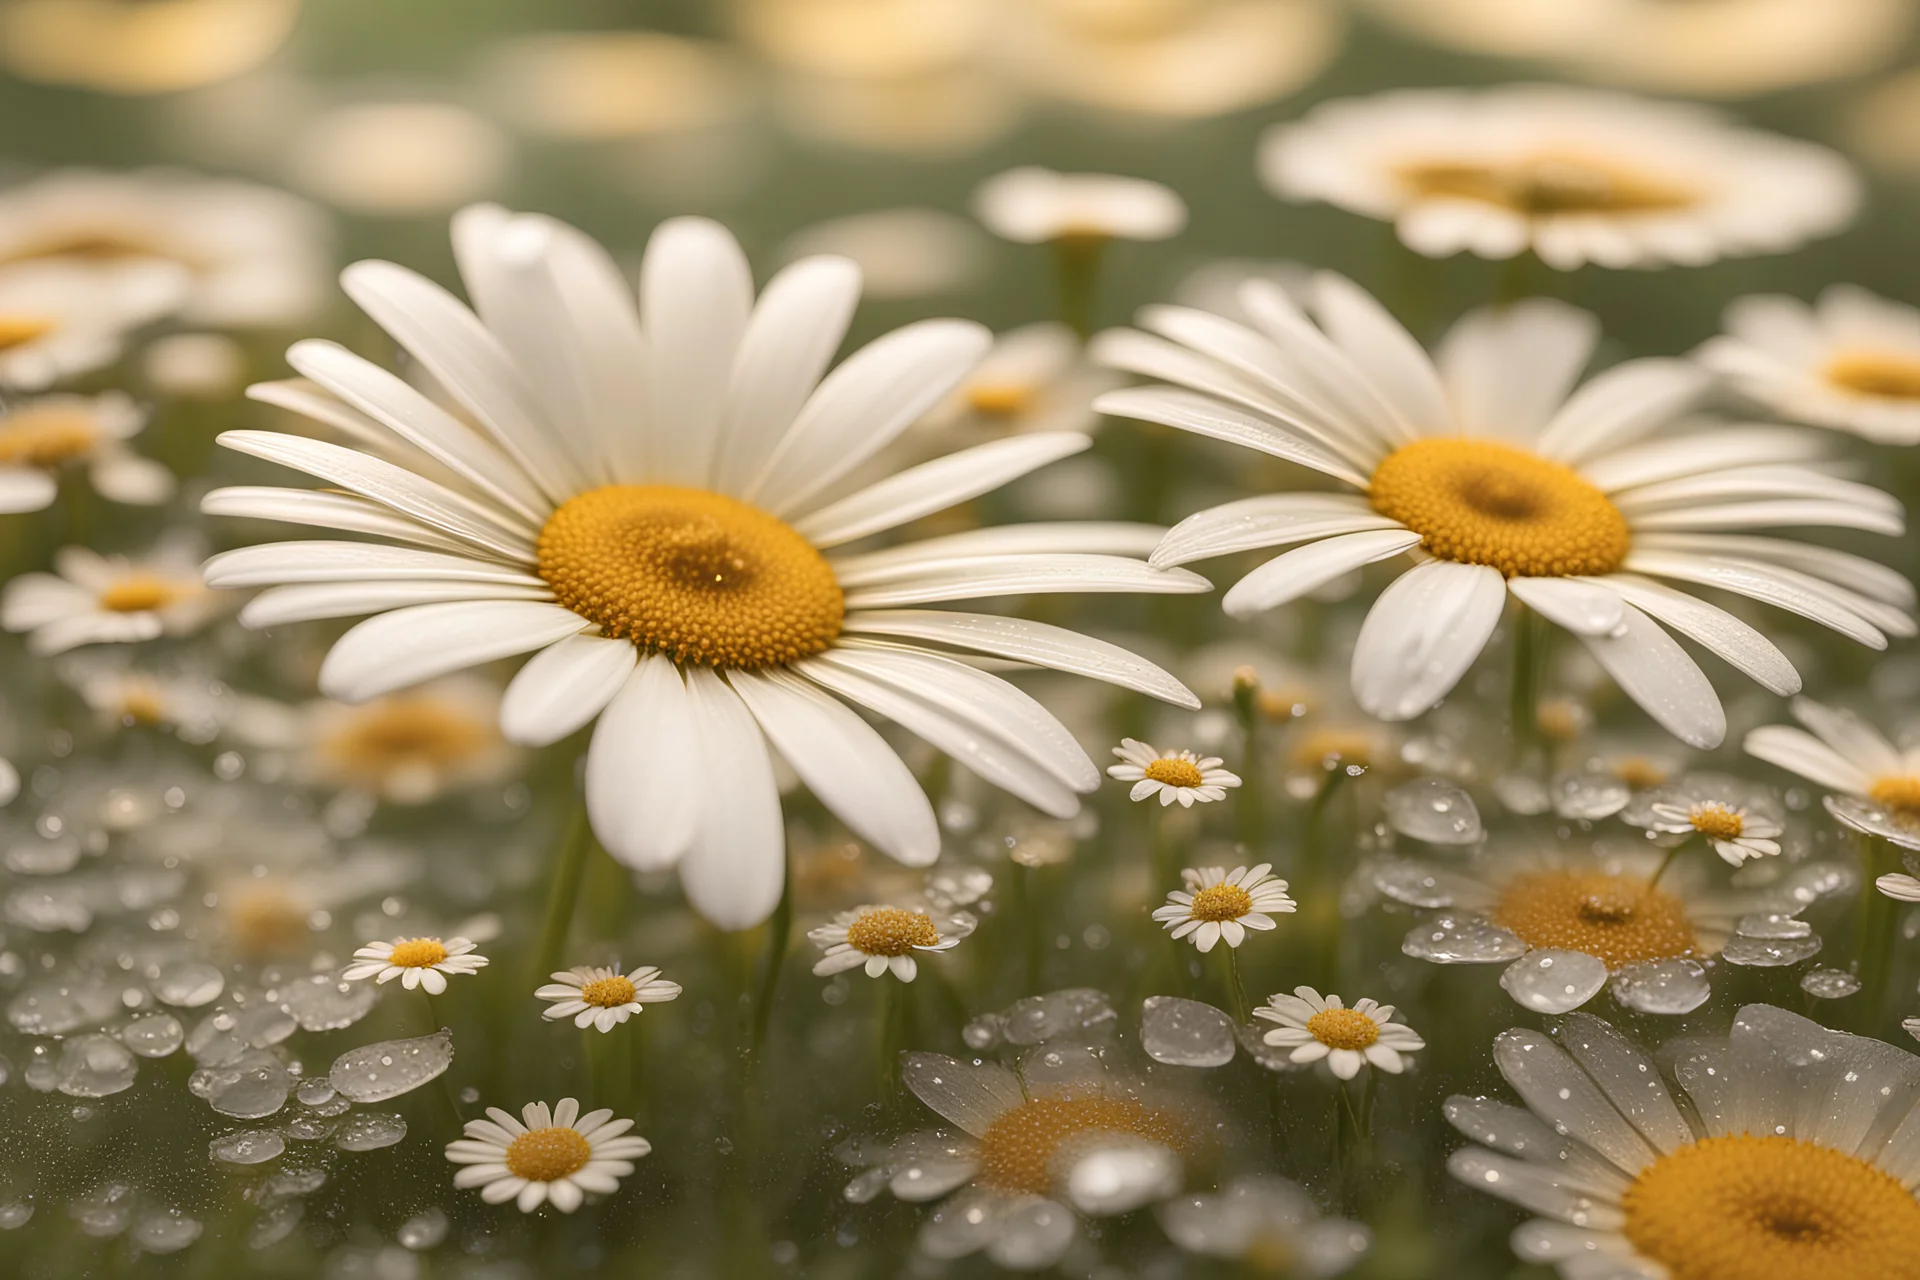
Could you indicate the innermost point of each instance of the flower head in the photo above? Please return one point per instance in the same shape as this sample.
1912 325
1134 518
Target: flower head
1181 775
58 320
96 599
1319 1027
1034 205
885 939
43 438
1218 904
604 998
1874 785
417 962
1270 1223
1739 821
555 1155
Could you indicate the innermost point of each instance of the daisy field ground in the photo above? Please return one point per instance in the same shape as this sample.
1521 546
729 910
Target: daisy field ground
1111 638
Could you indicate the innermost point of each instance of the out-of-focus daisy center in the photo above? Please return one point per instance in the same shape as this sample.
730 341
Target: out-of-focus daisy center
1001 399
18 331
694 575
1717 822
264 918
547 1155
1882 375
1737 1207
91 244
1618 919
607 993
1018 1148
139 593
1172 771
45 436
1478 502
1323 748
1549 182
404 730
1221 902
1641 772
1343 1029
142 702
1899 792
891 931
417 953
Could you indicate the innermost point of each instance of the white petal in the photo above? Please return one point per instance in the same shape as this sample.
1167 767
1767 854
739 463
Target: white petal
25 489
563 687
1851 736
1392 363
322 509
935 486
1270 520
696 292
1712 627
1619 406
125 477
1653 670
1422 634
1292 574
983 576
276 563
1800 752
644 785
407 646
308 602
1508 369
735 868
1581 606
1759 582
1203 416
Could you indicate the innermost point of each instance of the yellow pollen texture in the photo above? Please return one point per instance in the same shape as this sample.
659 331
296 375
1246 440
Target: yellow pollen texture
1617 919
1772 1208
1717 822
1220 902
547 1155
33 436
1000 400
1898 792
1479 502
890 931
1017 1150
408 729
1172 771
139 594
417 953
690 574
1549 183
608 993
1343 1029
18 331
1880 375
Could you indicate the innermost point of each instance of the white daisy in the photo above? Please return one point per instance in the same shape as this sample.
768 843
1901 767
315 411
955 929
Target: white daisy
1575 175
1178 775
1739 821
1316 1027
1500 478
129 47
1851 361
96 599
187 701
253 255
1032 205
410 747
1220 905
1792 1152
604 998
884 939
1033 378
558 1155
417 962
398 157
57 320
1263 1220
1875 783
648 500
43 437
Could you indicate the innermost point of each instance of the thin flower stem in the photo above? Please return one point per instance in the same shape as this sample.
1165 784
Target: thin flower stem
1878 921
562 892
434 1024
1667 862
1249 802
890 1034
1236 989
1076 261
779 934
1318 894
1524 698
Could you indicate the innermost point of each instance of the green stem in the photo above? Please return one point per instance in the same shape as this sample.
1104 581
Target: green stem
1249 807
562 892
890 1034
1236 989
1879 919
779 934
1516 278
1667 861
1524 701
434 1024
1076 261
1036 924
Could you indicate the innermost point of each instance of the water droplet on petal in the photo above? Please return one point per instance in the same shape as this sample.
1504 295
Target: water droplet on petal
1185 1033
1434 810
1554 981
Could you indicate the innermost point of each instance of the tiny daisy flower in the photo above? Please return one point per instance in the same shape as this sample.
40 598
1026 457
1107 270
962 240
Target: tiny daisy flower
557 1155
1875 784
1181 776
1220 904
43 438
1270 1224
96 599
1739 821
885 938
57 321
1317 1027
604 998
1033 378
1031 205
1851 361
417 962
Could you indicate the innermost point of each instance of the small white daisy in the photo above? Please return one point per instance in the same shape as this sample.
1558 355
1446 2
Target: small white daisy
558 1155
1738 820
417 962
602 997
1317 1027
1219 904
1181 775
1851 361
1876 784
1032 205
96 599
885 938
42 438
1033 378
57 321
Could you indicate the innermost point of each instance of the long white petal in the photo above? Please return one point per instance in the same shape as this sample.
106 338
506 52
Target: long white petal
984 576
312 601
1798 751
1751 483
407 646
696 292
1851 736
564 686
734 870
1062 537
1772 513
1422 634
1651 668
1292 574
1709 450
1508 369
936 485
847 765
322 509
1760 582
1394 365
645 786
1858 572
1580 606
1270 520
1188 411
1619 406
273 563
1710 626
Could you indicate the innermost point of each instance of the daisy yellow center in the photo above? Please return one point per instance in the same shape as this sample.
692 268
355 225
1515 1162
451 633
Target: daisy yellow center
1172 771
1017 1150
548 1155
1000 399
1899 792
1717 822
1640 772
891 931
1743 1207
143 703
694 575
1479 502
140 593
1882 375
1549 183
1323 748
18 331
1343 1029
1616 919
1560 719
608 993
417 953
92 244
264 918
404 730
45 437
1219 902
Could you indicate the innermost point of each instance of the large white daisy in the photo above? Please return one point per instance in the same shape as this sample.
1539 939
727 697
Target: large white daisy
1575 175
1499 477
653 500
1779 1149
1874 783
